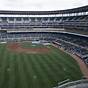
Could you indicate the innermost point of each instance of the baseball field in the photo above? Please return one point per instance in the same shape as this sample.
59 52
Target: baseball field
25 65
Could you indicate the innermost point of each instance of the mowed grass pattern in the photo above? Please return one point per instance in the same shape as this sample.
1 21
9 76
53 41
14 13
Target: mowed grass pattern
21 70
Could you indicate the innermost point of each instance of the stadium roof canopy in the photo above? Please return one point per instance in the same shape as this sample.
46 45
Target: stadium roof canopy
74 10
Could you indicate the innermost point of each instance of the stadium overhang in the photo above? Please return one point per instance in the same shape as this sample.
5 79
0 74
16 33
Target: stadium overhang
68 11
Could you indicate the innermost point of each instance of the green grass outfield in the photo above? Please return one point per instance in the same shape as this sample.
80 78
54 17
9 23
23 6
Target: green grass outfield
21 70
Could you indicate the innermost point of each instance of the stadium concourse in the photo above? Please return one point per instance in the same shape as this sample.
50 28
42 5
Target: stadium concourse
50 26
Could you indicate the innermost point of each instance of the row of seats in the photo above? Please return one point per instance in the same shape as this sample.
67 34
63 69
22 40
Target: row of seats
28 19
81 52
80 22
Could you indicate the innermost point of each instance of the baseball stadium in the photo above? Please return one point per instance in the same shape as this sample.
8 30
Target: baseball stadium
44 49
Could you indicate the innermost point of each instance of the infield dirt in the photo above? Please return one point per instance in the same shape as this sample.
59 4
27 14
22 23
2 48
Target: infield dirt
17 47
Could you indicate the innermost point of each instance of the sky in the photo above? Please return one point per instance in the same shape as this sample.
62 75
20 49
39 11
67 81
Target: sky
41 5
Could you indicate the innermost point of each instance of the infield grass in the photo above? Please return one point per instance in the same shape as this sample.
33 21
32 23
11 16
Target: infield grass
21 70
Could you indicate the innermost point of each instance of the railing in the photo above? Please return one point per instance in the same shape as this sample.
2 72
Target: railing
73 83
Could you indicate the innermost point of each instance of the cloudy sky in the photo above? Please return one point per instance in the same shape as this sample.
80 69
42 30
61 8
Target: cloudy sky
39 5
